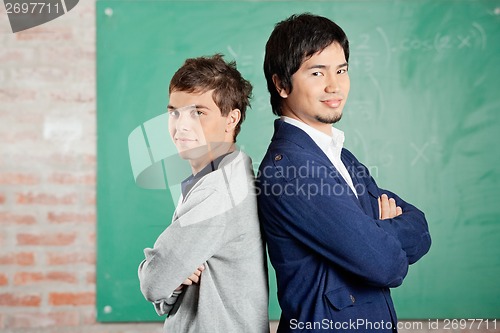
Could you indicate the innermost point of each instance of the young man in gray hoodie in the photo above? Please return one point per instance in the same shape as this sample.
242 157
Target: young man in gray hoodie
207 270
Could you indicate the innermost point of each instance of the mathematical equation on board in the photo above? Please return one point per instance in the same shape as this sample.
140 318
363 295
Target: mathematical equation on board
371 50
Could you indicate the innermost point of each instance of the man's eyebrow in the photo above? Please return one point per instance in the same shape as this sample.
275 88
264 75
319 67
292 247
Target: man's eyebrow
197 106
318 66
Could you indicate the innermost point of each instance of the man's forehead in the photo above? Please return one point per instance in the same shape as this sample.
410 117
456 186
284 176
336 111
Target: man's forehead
200 99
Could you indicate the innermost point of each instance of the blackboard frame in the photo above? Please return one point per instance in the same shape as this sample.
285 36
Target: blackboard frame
421 116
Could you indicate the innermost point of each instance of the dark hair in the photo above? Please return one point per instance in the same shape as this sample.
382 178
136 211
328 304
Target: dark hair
292 42
231 90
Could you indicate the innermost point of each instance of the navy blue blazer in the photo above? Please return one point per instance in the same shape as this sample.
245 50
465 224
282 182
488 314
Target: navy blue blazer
334 259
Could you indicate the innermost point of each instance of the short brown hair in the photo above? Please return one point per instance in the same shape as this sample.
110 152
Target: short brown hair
231 90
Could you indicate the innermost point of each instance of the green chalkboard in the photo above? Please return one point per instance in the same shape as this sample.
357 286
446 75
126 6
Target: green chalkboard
421 115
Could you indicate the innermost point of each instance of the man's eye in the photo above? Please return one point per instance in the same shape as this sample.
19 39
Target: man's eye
317 74
196 113
342 71
173 113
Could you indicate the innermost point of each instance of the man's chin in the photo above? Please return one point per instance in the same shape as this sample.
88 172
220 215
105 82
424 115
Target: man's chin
203 152
329 120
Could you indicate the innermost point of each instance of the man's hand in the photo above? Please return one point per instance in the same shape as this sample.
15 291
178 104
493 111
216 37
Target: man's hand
387 207
193 278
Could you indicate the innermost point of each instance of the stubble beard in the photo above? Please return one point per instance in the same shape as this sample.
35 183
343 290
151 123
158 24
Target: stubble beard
329 120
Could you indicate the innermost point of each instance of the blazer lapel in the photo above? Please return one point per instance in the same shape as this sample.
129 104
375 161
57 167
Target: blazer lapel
363 197
285 131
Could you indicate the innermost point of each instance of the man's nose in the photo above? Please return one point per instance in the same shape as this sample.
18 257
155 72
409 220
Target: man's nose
332 84
183 122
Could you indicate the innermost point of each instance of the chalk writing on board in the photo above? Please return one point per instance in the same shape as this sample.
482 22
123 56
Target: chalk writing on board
363 57
473 37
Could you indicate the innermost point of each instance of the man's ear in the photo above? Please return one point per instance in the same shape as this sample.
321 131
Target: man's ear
279 86
233 118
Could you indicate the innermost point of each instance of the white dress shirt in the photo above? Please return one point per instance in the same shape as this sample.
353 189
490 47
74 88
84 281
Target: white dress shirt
330 145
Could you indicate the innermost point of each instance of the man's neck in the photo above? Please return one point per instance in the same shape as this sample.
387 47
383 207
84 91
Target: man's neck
322 127
214 151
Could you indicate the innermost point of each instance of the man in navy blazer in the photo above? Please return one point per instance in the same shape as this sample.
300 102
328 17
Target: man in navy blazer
336 240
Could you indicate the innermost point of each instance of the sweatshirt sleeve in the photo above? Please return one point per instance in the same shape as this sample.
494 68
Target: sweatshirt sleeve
195 234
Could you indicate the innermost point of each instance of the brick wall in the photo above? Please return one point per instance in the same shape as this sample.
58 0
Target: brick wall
47 178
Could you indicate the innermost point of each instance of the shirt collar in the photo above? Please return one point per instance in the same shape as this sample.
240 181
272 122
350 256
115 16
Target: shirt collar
321 139
189 182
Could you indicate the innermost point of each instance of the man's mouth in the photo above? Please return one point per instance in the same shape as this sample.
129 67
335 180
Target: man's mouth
332 103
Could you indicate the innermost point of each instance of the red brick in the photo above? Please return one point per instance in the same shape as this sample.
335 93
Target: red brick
18 179
90 199
92 238
71 217
15 55
73 97
57 239
20 320
65 159
45 33
10 299
17 137
46 199
90 279
3 279
90 159
9 218
17 95
61 277
72 179
21 259
67 55
38 158
82 298
2 199
71 258
87 316
26 278
39 74
28 117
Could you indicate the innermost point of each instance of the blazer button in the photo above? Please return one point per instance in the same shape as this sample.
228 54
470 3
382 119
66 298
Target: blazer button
352 299
278 157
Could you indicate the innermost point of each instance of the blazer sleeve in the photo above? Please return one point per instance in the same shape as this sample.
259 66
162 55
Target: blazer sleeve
410 228
333 227
193 237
